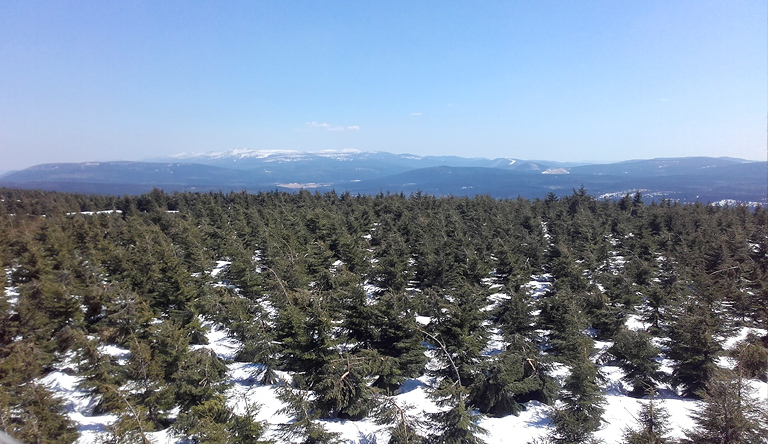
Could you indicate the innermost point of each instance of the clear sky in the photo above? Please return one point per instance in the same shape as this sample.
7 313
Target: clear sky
530 79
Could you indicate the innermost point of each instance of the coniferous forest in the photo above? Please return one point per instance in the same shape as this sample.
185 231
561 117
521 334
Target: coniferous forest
338 303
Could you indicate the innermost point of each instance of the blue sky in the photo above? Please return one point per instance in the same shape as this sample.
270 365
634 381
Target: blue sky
548 80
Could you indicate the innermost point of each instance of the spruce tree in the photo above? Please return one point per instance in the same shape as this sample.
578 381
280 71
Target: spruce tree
730 413
459 333
403 427
693 347
509 379
458 423
752 357
341 388
580 416
151 396
101 377
653 421
304 428
213 422
33 414
398 342
200 376
636 355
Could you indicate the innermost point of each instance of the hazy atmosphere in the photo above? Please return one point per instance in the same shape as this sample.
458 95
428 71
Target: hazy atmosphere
569 81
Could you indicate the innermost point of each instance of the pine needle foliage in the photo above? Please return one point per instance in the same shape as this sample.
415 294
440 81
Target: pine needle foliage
731 413
295 295
582 409
636 355
653 421
305 427
213 422
458 423
403 427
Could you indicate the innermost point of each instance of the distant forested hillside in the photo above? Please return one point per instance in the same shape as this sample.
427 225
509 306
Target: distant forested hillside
337 302
686 179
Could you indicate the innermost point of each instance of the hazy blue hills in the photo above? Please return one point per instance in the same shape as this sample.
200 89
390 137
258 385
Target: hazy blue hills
745 182
659 167
688 179
126 177
338 166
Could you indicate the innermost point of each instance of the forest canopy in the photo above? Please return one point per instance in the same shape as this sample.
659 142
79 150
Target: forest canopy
341 299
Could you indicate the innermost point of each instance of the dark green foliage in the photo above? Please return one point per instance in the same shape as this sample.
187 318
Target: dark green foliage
131 426
125 315
459 333
693 347
212 422
580 417
141 280
563 313
457 424
29 411
636 355
752 357
309 348
653 421
341 388
731 413
514 317
304 331
150 389
102 377
391 272
403 427
45 307
513 377
33 414
304 429
396 338
199 377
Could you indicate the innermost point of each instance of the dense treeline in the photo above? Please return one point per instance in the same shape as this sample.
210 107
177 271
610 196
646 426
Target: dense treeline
350 296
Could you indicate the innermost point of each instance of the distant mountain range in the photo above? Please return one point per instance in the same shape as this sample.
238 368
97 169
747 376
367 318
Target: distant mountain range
687 179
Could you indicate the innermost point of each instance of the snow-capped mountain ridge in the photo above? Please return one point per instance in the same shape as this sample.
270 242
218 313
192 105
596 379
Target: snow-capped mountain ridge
244 153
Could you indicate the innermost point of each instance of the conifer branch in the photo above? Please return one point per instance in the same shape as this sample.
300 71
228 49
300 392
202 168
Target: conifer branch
279 281
448 355
144 439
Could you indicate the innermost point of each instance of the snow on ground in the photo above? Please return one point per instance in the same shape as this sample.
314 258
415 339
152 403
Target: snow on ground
730 342
91 213
620 410
635 322
495 300
423 320
219 342
11 293
119 353
220 266
491 283
533 422
371 291
539 285
12 296
496 343
621 413
77 402
616 263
